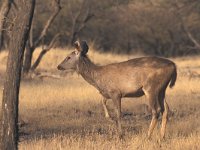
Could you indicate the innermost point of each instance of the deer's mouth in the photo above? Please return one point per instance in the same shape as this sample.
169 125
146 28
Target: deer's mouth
60 68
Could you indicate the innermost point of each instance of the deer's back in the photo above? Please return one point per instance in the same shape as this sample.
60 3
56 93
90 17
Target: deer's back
137 65
130 76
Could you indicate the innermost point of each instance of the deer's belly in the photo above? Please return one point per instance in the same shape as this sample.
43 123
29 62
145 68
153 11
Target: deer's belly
131 89
135 93
125 92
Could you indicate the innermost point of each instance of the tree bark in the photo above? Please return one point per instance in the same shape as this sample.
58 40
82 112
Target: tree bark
3 15
27 59
18 37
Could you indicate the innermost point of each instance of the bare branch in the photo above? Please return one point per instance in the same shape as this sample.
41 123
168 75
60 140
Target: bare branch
85 20
42 75
3 16
44 51
185 28
88 16
52 43
79 20
57 8
191 37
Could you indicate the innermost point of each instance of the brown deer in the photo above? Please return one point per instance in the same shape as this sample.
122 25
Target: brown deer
147 76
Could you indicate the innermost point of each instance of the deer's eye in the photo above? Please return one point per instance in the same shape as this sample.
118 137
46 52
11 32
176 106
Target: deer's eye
68 57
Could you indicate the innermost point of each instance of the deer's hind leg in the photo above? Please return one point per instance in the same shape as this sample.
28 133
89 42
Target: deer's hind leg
164 112
155 108
117 104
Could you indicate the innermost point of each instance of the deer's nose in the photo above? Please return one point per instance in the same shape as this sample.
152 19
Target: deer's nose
60 67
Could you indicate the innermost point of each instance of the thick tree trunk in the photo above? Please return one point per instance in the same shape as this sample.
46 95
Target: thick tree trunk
18 38
3 15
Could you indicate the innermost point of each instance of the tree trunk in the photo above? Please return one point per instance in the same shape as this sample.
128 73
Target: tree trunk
32 45
27 59
18 37
3 15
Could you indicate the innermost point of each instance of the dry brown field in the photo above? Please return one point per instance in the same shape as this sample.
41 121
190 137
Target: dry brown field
60 111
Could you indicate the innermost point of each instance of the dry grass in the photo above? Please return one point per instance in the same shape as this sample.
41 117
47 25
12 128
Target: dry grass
67 113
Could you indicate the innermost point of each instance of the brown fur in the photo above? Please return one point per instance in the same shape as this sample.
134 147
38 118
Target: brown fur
147 76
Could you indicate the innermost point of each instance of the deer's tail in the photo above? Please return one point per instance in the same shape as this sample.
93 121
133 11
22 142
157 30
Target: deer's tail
173 77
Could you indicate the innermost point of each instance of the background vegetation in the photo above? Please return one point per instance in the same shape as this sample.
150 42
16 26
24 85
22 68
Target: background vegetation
158 27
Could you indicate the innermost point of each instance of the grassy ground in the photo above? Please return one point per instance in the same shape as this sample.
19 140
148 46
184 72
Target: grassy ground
66 113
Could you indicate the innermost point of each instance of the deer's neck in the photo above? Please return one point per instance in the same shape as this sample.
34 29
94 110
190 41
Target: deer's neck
87 69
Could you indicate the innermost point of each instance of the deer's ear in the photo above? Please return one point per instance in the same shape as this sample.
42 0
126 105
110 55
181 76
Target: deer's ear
77 46
81 47
84 47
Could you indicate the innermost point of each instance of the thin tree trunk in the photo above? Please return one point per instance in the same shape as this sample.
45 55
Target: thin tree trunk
18 37
37 62
27 59
33 44
3 15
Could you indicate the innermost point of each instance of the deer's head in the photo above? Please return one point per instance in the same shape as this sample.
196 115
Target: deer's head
71 61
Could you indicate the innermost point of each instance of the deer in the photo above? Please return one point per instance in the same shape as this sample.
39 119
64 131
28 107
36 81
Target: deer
145 76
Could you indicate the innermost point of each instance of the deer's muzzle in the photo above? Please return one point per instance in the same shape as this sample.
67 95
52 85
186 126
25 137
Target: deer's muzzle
60 67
